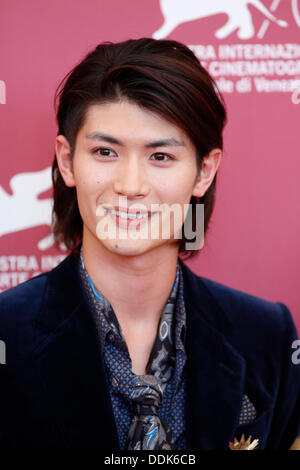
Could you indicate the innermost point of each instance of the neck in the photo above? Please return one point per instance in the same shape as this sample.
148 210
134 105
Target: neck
136 286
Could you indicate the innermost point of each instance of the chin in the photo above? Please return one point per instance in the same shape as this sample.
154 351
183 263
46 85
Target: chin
127 247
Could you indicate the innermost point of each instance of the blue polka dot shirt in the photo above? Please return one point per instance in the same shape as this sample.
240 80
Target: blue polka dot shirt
118 362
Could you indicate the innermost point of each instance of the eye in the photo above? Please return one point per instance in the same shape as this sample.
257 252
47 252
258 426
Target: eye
104 152
161 157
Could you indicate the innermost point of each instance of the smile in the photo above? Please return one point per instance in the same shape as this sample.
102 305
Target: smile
126 215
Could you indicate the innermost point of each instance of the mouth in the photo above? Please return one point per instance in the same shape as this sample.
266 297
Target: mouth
129 219
129 214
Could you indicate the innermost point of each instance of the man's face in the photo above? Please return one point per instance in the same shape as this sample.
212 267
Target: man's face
129 158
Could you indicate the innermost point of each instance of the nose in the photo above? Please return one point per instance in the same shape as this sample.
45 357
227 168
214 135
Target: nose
131 179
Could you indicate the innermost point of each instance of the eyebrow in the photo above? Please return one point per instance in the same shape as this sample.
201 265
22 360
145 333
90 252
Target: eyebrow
165 142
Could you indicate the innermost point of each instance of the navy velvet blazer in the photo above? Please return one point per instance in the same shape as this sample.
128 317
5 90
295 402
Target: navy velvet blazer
54 391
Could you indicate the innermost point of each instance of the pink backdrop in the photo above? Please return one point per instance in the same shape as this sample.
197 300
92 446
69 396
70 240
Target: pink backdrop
253 243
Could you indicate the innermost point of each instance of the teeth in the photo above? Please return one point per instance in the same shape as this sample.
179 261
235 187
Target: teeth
126 215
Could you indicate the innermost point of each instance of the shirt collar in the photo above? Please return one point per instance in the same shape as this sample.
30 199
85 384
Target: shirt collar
107 320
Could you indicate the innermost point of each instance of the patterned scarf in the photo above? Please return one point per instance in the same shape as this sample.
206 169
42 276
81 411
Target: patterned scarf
148 430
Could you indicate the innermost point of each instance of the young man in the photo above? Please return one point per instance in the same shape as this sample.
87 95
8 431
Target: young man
122 346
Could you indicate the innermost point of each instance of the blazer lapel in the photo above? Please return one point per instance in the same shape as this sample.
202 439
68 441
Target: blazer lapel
71 367
215 370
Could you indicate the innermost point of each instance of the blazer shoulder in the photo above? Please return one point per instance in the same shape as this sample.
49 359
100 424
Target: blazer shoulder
24 289
19 308
26 298
242 310
22 301
233 299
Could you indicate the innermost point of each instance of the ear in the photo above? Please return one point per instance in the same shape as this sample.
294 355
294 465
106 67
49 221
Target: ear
210 165
63 157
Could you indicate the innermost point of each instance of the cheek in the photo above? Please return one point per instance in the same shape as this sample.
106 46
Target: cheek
88 179
176 189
